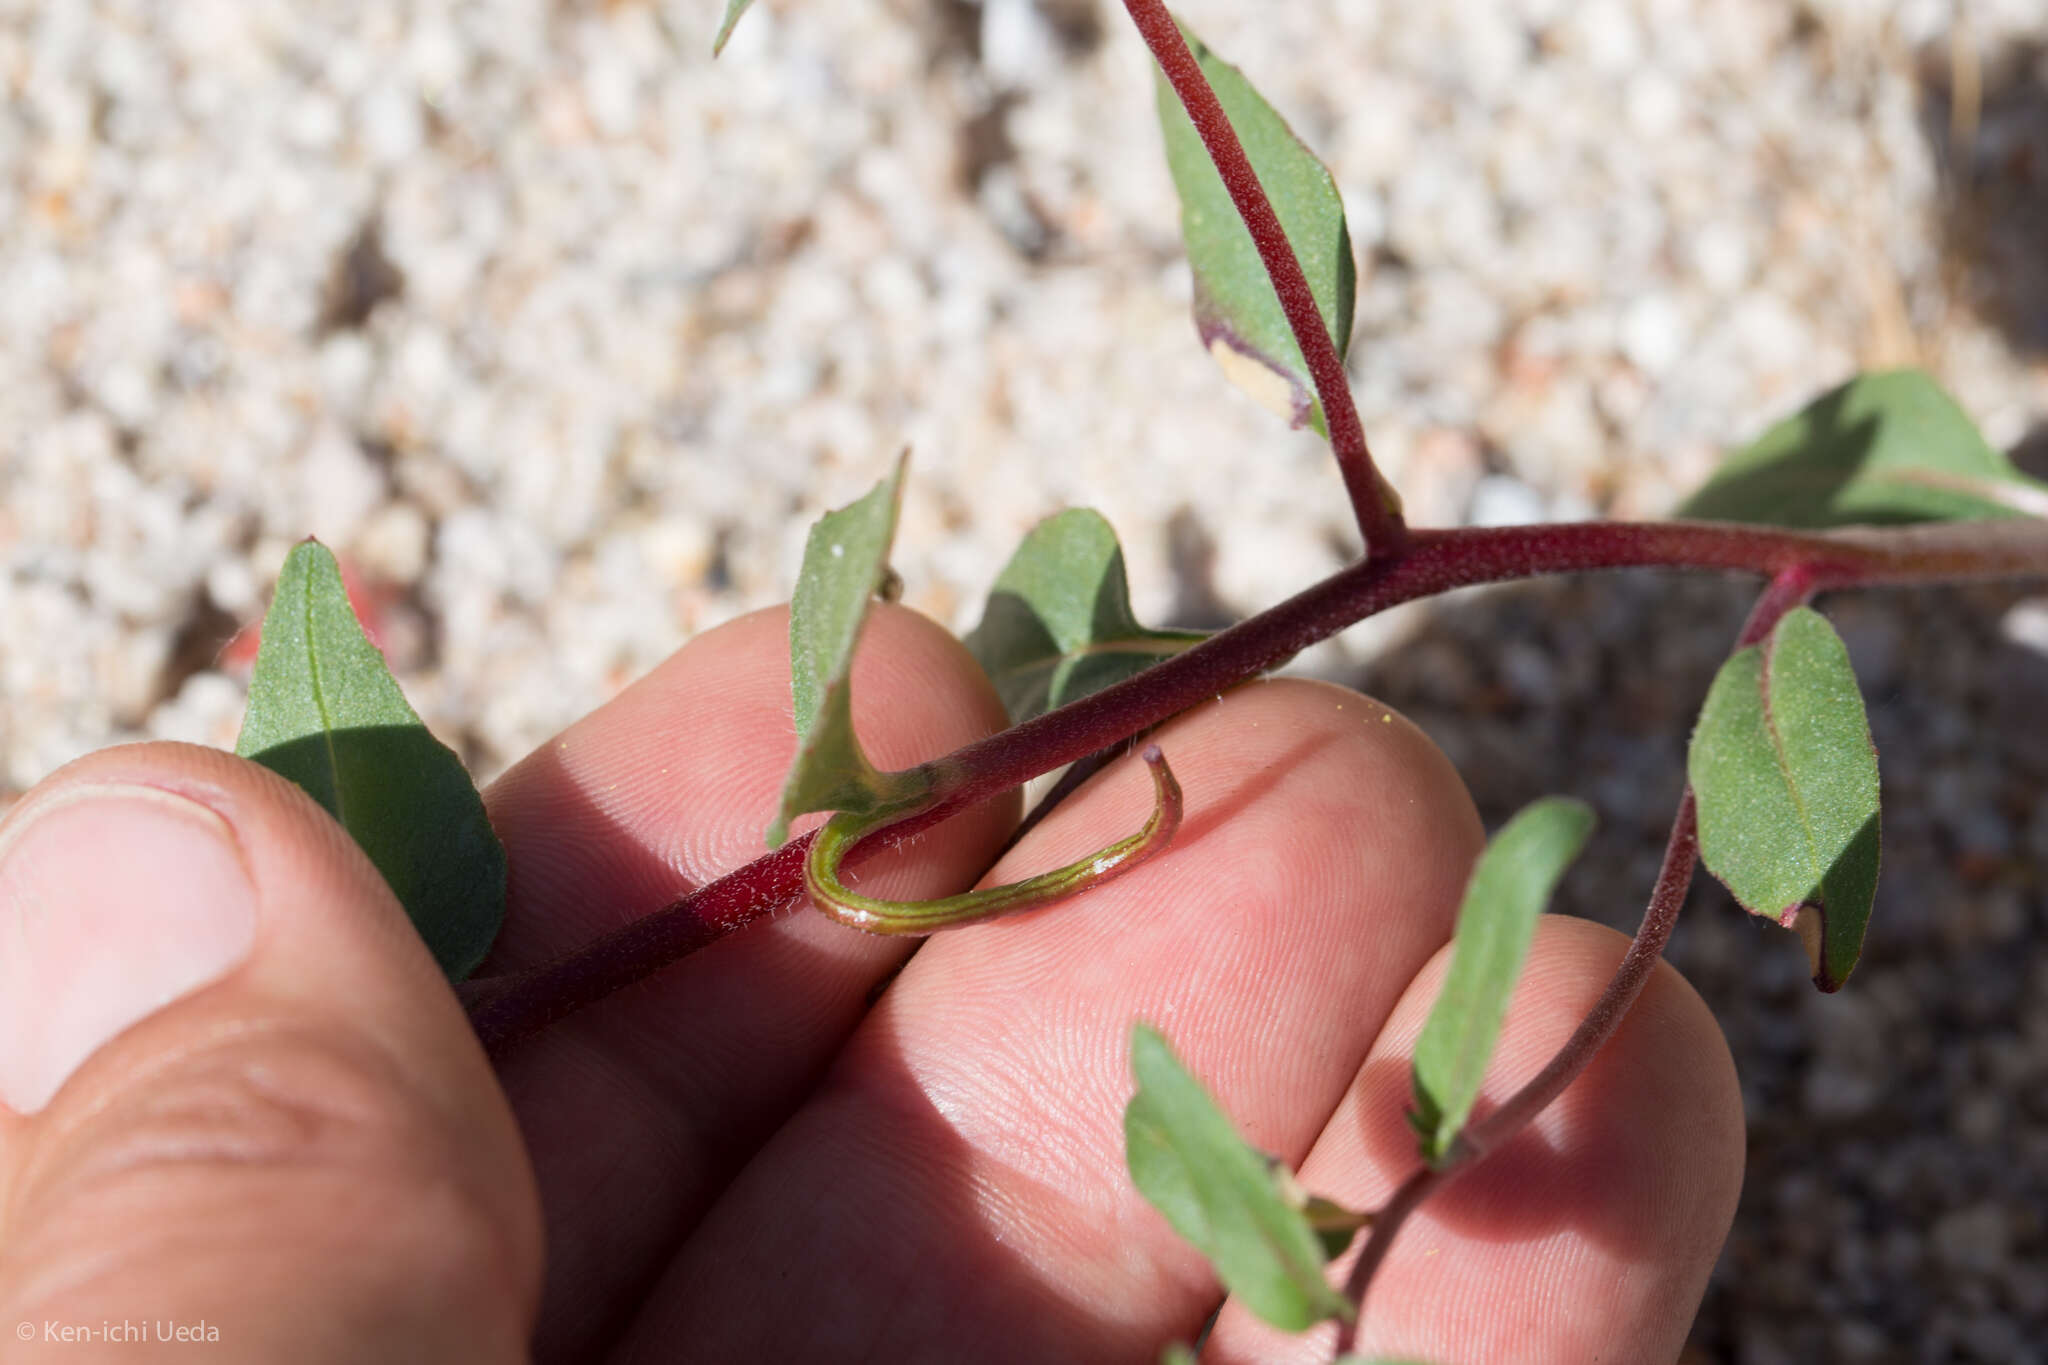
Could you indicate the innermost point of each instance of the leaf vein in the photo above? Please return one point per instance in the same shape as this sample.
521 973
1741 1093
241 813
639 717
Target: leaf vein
1777 738
320 705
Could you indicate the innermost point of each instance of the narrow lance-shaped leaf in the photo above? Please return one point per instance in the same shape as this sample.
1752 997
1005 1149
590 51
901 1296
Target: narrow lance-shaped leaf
1508 890
733 10
326 713
1786 779
1882 449
1058 624
1226 1198
1237 312
846 561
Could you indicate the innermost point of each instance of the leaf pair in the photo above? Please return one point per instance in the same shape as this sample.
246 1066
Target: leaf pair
1058 626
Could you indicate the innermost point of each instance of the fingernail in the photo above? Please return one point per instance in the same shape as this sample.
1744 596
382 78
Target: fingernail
115 900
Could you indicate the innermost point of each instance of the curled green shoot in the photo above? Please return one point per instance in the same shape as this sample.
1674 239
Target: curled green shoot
849 907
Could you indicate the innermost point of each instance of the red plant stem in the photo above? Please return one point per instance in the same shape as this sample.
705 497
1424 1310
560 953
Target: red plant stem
1681 855
1791 588
1381 526
1437 561
507 1007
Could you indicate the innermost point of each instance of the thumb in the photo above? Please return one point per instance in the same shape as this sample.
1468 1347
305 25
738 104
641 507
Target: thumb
237 1099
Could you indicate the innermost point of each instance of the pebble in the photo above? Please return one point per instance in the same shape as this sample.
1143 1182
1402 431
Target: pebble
1653 333
1499 500
2026 625
1973 1239
393 544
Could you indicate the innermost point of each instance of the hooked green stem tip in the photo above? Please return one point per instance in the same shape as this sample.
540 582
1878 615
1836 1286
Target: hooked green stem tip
843 831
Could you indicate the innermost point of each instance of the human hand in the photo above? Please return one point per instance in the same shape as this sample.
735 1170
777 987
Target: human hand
235 1094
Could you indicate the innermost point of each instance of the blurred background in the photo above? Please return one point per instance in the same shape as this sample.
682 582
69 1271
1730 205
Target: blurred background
561 333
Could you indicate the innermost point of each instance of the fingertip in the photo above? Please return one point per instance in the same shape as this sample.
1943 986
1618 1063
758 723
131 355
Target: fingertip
303 1141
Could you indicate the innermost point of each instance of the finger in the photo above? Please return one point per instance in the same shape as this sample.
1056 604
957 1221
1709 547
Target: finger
1587 1237
239 1095
638 1109
962 1170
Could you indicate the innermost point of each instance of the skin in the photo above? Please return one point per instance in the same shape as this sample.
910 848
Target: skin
805 1143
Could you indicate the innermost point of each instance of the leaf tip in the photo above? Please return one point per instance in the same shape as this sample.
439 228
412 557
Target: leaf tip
1810 921
733 10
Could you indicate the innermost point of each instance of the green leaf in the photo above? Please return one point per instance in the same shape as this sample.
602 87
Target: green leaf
1510 885
1883 449
1222 1195
733 10
1786 779
1178 1353
846 562
1237 313
1058 623
326 713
